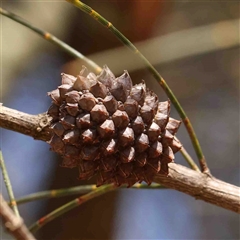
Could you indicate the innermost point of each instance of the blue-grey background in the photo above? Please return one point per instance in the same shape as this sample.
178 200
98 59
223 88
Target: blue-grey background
207 85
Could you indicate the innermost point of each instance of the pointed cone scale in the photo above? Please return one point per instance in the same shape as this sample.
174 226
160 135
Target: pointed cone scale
125 170
109 163
109 146
99 113
147 113
86 166
57 144
81 84
138 93
58 129
155 150
72 109
69 162
161 120
141 159
151 100
88 136
175 145
71 136
164 169
68 122
106 129
98 90
131 108
87 102
119 92
153 132
86 175
68 79
89 153
164 107
142 143
103 177
83 120
154 164
71 151
126 81
55 96
168 155
110 103
64 89
138 125
126 137
72 96
106 77
120 119
167 137
173 125
84 71
53 111
127 155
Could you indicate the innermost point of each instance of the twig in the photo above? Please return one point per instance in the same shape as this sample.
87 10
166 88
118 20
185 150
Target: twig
180 178
85 8
188 158
145 186
56 193
201 186
13 223
70 205
36 126
74 190
8 184
51 38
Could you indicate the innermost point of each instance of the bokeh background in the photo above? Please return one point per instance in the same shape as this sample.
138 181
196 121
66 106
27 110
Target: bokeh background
195 47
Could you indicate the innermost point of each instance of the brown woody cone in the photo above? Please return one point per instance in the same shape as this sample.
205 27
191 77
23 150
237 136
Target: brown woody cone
106 127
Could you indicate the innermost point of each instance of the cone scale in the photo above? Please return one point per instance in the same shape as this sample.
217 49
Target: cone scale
107 127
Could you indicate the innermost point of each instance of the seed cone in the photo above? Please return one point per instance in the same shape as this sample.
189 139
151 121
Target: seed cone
107 127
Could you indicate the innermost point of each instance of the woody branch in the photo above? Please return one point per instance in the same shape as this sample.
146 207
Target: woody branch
199 185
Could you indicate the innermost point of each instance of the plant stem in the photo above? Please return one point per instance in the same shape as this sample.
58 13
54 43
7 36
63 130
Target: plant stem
74 190
51 38
70 205
56 193
188 158
7 181
85 8
145 186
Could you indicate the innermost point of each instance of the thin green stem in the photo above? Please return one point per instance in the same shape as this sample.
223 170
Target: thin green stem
70 205
189 159
85 8
145 186
51 38
74 190
56 193
7 181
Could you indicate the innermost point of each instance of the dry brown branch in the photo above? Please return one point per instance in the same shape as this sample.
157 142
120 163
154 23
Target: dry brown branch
199 185
13 223
35 126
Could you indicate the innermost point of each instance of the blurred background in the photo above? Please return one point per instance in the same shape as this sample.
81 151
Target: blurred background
195 47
